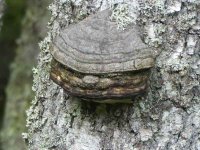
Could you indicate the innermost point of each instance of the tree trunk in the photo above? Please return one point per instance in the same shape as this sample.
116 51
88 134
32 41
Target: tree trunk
18 90
1 97
1 10
168 118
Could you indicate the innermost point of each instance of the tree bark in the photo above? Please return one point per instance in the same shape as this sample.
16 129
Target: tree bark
168 118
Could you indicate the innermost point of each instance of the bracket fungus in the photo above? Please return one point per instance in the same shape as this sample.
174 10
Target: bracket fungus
95 61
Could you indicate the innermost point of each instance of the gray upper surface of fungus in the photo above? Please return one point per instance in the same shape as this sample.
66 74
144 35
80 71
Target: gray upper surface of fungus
95 45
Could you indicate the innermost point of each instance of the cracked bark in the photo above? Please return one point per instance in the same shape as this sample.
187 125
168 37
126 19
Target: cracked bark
168 118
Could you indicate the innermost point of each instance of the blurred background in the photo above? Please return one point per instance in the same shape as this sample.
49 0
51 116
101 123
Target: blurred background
24 25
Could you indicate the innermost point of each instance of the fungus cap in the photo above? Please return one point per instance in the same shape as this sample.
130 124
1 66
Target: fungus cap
95 45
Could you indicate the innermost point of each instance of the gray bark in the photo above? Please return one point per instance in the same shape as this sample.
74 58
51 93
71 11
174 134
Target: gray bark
168 118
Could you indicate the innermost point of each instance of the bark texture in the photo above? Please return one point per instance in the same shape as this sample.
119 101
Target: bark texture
18 90
168 118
